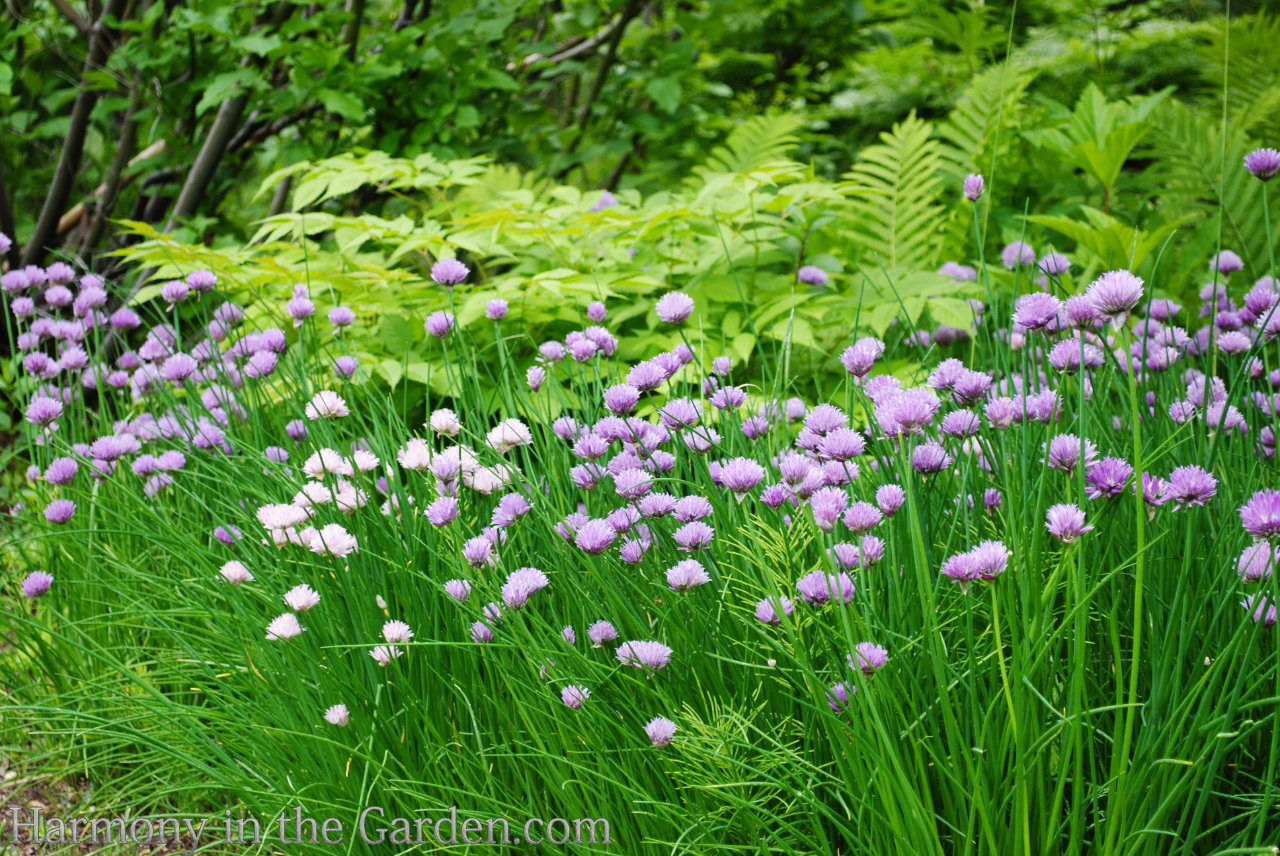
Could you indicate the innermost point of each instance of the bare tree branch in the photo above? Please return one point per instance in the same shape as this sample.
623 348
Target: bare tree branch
111 187
73 144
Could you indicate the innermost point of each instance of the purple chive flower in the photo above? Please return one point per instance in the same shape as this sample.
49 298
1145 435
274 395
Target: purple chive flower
674 307
962 569
43 410
227 535
1191 485
974 186
1066 522
1036 311
596 311
341 316
1260 516
812 275
601 632
838 696
693 536
1063 453
1257 562
478 552
690 508
202 280
61 470
481 633
606 200
687 574
621 398
1018 253
1054 263
660 731
847 556
958 272
767 610
1260 609
1115 293
297 430
496 309
930 457
175 291
862 517
459 590
1107 477
345 366
868 658
1226 263
827 504
442 511
961 423
632 483
820 587
573 696
59 511
644 655
439 324
521 585
741 475
36 584
1263 164
859 358
991 558
890 498
595 536
449 272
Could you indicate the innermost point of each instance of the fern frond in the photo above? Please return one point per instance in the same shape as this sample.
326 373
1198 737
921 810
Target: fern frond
1251 74
895 187
1201 174
755 144
982 118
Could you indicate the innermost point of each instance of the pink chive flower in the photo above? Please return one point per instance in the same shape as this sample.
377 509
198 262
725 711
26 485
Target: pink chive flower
674 307
660 731
1066 522
1260 516
449 272
1191 485
974 186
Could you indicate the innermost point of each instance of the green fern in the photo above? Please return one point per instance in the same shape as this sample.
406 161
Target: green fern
896 215
1200 174
757 143
1251 75
977 133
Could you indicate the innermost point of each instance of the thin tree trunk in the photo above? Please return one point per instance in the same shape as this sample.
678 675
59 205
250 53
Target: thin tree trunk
629 11
215 144
124 151
356 7
73 144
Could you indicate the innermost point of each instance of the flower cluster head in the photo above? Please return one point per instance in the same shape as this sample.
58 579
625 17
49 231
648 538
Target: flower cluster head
674 307
1263 164
974 186
1066 522
660 731
449 272
985 562
574 695
812 275
36 584
644 655
521 585
1115 294
868 658
1260 515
